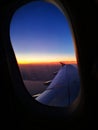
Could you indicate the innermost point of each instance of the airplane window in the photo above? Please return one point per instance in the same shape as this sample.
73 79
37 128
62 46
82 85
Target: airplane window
43 43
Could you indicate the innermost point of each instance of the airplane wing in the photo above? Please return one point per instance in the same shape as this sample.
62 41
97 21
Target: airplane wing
63 89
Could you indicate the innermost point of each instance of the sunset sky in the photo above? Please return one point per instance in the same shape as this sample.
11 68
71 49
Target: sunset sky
40 32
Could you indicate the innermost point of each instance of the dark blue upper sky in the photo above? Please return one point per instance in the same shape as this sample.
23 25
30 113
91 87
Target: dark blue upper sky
39 31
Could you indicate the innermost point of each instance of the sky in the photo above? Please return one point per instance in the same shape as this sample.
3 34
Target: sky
40 32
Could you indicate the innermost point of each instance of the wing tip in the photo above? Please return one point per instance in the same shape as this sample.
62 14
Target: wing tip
62 64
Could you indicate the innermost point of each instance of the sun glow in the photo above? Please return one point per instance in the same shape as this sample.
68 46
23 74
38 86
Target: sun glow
32 59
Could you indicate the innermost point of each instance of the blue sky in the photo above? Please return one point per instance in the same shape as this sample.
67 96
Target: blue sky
40 32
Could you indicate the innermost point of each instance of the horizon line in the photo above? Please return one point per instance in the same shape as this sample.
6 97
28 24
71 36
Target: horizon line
50 62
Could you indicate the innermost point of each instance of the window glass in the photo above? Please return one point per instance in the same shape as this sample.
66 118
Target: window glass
44 47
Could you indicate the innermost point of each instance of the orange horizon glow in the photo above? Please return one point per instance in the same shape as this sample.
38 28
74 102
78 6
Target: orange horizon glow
48 62
44 59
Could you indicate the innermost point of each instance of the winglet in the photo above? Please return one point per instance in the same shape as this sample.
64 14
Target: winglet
62 64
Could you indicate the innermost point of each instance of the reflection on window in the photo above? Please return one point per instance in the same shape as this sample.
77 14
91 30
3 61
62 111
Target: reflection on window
42 41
